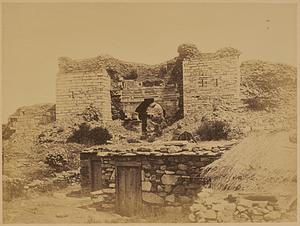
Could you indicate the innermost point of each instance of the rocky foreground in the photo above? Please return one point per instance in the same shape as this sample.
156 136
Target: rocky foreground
227 207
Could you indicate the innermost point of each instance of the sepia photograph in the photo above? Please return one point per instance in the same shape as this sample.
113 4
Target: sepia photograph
149 112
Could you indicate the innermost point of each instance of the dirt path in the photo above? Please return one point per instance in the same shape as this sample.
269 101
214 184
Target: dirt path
56 208
59 207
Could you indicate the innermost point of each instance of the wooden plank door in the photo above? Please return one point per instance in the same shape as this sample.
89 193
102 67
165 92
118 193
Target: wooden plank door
128 188
96 175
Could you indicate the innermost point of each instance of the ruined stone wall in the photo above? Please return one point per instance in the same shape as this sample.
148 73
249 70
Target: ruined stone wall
170 175
210 80
75 91
166 95
29 118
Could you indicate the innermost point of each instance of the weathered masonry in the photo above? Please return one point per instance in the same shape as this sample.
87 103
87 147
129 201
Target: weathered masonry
77 91
134 93
182 85
133 179
29 118
209 81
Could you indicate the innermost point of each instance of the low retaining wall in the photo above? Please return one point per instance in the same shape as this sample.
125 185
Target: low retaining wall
169 174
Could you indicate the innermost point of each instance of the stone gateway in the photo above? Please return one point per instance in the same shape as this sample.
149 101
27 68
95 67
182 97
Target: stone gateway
188 83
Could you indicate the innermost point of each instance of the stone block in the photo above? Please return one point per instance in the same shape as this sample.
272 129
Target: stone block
169 172
152 198
230 206
146 186
170 198
109 190
178 189
159 188
210 215
182 167
218 207
96 193
272 216
168 188
163 167
197 207
169 179
261 204
244 202
192 217
241 209
184 199
181 172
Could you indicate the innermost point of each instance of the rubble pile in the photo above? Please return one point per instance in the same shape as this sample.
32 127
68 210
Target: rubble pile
58 157
67 177
29 119
57 181
56 133
240 207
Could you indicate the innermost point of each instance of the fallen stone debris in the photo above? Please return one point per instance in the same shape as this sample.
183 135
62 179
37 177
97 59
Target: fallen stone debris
211 206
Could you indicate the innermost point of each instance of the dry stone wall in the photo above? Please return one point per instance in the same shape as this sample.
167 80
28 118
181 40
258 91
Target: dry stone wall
169 173
78 90
209 81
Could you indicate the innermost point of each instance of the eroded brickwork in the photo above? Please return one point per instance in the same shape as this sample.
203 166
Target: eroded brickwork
77 91
196 83
29 118
134 93
209 81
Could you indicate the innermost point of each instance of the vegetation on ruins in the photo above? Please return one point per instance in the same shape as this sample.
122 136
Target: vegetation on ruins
132 75
213 130
7 132
90 136
57 161
49 157
266 85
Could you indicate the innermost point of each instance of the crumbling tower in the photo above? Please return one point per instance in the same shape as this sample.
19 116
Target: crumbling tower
210 80
77 89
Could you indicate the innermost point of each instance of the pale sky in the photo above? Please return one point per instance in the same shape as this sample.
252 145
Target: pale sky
34 35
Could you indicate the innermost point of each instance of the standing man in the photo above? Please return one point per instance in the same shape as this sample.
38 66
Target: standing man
156 120
142 112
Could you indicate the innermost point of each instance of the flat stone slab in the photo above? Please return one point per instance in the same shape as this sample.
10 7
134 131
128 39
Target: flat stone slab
208 148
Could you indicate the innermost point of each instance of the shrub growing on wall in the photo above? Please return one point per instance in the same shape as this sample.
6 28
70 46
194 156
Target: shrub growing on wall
91 113
85 135
263 84
57 160
213 130
132 75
